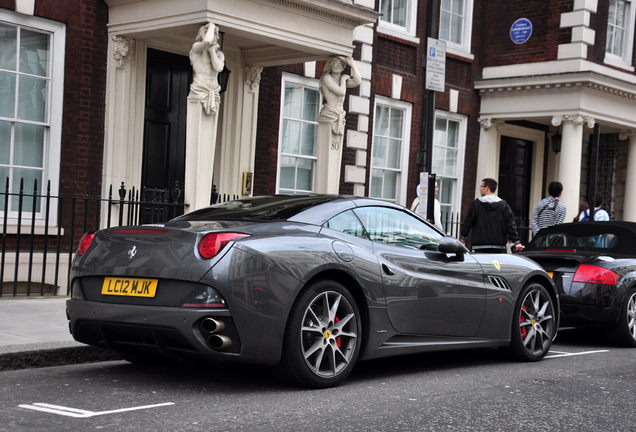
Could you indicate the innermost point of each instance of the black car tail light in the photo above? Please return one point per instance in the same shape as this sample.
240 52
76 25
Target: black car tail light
76 291
598 275
205 297
85 243
212 243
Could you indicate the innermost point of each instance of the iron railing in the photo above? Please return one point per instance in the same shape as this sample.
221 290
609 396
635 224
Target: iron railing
36 257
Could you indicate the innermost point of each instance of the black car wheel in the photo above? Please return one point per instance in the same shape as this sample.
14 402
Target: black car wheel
533 324
322 337
624 333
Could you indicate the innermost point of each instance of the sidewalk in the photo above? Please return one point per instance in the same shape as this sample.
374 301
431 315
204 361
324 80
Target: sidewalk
34 333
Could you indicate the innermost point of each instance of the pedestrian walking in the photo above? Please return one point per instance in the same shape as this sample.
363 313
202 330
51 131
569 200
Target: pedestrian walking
582 207
492 222
599 213
550 211
437 208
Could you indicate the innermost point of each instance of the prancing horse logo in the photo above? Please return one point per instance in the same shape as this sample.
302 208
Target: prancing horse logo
132 252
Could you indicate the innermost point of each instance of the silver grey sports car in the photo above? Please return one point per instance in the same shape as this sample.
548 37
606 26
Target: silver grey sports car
307 284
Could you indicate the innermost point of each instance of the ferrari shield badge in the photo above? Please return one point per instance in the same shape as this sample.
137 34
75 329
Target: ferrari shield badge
496 264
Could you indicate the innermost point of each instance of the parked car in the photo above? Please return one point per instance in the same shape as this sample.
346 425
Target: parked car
594 267
307 284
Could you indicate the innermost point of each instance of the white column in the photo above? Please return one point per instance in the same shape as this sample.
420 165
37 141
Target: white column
328 160
629 202
569 161
200 147
488 159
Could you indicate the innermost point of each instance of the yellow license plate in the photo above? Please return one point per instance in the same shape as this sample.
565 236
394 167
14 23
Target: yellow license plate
551 274
129 287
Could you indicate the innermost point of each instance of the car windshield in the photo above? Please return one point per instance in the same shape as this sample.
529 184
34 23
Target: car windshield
575 240
266 208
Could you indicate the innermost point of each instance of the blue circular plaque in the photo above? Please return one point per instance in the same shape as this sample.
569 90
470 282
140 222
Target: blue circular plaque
521 30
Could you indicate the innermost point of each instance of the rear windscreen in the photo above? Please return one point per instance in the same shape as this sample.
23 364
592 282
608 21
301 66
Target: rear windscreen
267 208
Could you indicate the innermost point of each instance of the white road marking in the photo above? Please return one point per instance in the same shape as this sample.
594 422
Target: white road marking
78 413
566 354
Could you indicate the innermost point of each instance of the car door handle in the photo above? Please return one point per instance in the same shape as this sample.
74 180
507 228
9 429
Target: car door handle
387 270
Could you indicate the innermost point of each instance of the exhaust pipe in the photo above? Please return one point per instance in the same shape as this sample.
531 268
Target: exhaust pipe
210 325
219 342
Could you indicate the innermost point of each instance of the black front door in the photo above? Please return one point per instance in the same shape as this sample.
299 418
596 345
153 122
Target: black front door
168 78
515 172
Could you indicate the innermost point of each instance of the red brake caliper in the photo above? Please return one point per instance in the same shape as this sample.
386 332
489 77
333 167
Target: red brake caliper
524 332
337 339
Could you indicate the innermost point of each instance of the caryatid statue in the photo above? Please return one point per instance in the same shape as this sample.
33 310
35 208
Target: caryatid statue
331 121
207 62
333 87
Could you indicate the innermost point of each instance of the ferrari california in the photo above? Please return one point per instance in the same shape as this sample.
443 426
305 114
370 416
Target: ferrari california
307 284
594 267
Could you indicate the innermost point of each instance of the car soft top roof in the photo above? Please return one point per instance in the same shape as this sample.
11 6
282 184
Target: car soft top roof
579 227
312 209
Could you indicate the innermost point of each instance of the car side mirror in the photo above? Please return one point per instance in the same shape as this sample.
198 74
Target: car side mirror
450 244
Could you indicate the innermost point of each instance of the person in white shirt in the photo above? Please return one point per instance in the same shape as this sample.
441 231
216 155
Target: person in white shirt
599 213
437 208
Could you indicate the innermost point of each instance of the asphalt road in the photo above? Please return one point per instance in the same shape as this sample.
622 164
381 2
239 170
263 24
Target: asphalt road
583 385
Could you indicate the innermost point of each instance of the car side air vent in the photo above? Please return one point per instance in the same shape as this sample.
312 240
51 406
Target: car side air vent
499 282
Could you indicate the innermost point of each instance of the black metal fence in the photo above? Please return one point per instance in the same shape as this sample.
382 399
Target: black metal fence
36 256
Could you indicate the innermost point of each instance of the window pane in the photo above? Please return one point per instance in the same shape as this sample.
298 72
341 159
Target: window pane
309 135
390 184
5 145
451 162
397 117
291 136
446 188
385 10
29 176
456 29
458 7
32 99
444 25
381 120
7 94
287 172
375 191
453 134
34 53
8 46
393 154
312 99
446 5
4 174
293 101
379 152
29 145
438 161
305 174
399 13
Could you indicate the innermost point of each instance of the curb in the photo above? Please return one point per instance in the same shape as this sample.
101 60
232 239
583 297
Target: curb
55 357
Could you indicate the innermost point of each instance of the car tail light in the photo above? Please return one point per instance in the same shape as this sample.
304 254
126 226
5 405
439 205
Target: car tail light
597 275
212 243
205 297
85 242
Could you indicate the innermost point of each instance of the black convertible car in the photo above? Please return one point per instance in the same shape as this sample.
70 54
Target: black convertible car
306 284
594 267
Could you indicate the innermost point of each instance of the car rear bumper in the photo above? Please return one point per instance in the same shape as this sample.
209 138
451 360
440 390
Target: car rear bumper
169 331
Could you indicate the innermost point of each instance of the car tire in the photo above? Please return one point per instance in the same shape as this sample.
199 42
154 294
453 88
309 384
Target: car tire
322 338
533 324
624 333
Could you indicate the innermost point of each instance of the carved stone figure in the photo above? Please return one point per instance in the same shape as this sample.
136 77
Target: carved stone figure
123 49
333 87
207 62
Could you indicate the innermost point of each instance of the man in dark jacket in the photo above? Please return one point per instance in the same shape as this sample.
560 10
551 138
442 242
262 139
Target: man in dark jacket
491 220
